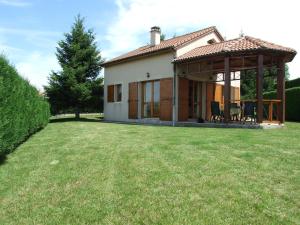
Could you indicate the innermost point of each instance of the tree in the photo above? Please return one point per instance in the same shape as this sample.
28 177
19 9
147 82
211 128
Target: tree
248 81
80 60
162 37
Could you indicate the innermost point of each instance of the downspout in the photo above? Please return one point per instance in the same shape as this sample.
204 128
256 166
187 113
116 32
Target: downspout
174 93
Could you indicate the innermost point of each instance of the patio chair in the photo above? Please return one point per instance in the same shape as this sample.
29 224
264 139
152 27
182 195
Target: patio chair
249 111
215 111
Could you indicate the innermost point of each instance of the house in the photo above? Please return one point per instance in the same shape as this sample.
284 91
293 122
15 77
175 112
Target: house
177 79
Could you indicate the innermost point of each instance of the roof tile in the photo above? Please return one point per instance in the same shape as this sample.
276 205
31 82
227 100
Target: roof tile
167 44
235 45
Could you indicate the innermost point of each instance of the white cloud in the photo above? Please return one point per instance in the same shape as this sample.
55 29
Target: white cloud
36 67
274 21
15 3
40 38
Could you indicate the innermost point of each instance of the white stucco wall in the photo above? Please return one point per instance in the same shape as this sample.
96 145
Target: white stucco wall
159 66
197 43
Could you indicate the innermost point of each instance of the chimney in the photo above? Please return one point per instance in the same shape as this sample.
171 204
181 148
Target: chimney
155 35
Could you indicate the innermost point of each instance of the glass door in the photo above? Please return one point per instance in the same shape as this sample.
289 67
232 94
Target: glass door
156 98
147 99
151 99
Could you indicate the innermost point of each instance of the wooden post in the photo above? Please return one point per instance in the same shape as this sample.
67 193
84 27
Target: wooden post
270 111
227 90
281 90
259 88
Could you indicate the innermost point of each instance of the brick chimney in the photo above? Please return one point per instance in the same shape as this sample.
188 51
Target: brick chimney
155 35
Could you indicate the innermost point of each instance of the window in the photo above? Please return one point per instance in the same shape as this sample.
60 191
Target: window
118 95
114 93
211 41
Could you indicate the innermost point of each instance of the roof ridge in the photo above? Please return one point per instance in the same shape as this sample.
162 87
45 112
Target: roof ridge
261 43
149 46
254 40
218 43
211 27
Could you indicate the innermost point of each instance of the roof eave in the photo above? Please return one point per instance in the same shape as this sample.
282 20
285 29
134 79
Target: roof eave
288 56
135 57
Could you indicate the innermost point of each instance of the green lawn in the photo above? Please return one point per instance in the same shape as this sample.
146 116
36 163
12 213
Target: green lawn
90 172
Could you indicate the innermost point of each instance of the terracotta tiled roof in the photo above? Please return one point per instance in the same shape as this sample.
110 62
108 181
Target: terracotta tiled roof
172 43
242 44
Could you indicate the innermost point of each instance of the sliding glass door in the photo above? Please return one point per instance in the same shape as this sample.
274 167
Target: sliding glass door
151 99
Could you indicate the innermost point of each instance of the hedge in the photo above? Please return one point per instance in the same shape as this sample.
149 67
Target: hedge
22 110
292 107
291 83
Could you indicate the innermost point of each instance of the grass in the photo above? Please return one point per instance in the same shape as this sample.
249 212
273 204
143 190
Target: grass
89 172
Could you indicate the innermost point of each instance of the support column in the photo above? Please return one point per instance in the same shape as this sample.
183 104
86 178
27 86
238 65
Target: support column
259 88
227 90
281 90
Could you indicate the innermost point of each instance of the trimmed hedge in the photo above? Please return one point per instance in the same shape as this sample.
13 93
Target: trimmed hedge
291 83
22 110
292 105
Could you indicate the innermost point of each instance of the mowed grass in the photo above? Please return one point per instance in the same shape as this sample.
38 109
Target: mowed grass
90 172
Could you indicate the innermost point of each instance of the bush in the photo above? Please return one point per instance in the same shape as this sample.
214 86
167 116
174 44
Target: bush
292 105
22 110
291 83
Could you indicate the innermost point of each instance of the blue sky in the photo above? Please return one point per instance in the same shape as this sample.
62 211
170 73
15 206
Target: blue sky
30 29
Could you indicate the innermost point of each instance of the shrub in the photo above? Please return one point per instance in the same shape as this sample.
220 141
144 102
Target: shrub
22 110
292 105
291 83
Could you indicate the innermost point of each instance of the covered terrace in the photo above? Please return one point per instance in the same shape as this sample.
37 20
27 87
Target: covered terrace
224 61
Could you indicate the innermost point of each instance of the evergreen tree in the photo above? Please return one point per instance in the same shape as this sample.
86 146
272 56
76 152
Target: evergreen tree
80 60
162 37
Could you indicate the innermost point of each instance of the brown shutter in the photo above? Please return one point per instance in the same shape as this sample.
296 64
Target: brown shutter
209 98
110 93
166 97
183 99
133 100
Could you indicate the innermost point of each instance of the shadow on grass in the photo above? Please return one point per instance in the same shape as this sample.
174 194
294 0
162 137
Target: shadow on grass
2 159
71 119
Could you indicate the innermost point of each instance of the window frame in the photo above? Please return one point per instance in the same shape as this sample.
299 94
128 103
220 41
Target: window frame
118 87
112 93
153 114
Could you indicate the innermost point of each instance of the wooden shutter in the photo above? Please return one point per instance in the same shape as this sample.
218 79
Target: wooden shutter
183 99
166 97
133 100
110 93
209 98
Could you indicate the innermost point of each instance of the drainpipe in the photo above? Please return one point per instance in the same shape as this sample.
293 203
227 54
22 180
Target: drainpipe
174 93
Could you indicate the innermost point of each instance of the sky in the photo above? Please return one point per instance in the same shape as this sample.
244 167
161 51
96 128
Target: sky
30 29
